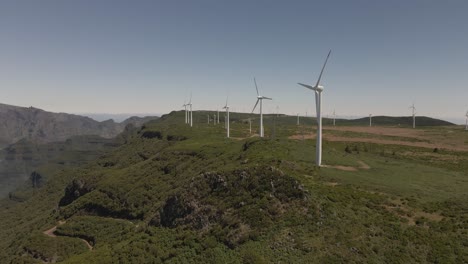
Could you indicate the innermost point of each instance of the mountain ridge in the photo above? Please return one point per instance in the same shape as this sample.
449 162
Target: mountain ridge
42 126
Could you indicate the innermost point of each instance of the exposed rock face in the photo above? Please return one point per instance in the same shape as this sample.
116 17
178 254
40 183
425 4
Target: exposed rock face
73 191
40 126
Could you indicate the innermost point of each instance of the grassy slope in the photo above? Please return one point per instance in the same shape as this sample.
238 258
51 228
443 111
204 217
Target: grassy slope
218 200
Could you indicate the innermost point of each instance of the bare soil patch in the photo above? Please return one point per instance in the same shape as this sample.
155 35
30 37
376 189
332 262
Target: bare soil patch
50 232
400 210
428 138
362 166
339 167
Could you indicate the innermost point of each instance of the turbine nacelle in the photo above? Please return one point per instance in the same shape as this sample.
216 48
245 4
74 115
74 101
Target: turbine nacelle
318 88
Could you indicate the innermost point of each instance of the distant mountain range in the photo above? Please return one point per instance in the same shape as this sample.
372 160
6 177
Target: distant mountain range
40 126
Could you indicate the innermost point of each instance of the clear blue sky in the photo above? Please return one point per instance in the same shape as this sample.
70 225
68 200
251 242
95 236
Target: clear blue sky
146 56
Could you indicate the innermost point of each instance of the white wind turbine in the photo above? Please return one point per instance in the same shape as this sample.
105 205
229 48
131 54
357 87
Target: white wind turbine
334 117
185 106
227 117
466 126
260 98
318 89
370 120
414 115
190 113
297 118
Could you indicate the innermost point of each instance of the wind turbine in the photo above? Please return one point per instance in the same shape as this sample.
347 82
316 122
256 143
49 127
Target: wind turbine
260 98
334 117
318 89
227 115
466 126
190 113
370 120
185 106
297 118
414 115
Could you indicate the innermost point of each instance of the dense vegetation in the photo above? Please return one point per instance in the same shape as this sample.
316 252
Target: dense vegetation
171 193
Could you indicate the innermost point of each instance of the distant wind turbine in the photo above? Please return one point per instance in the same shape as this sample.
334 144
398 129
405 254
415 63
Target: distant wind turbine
318 89
190 113
297 118
414 115
334 117
227 115
466 126
370 120
260 98
185 106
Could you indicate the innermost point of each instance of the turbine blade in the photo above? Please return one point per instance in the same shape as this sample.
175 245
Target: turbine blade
268 98
323 68
255 105
255 81
308 86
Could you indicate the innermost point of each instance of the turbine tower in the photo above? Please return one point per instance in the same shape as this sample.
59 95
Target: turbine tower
370 120
414 115
260 98
334 117
190 111
227 115
466 126
297 118
318 89
185 106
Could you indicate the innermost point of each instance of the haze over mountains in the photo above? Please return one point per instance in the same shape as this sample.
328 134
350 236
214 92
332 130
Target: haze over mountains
30 137
37 125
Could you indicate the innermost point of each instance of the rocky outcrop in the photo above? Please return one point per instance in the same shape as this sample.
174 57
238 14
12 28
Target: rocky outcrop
75 190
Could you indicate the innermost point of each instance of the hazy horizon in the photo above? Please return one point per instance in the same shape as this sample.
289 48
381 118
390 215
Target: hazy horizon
146 57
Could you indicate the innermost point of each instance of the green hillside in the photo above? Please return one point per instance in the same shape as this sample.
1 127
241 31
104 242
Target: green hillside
20 160
402 121
175 194
397 121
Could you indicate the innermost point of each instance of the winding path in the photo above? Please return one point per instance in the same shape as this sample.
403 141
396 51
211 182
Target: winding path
51 233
